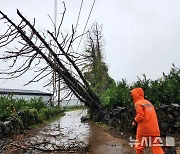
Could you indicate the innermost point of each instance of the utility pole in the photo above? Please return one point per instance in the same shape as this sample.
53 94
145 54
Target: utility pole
56 89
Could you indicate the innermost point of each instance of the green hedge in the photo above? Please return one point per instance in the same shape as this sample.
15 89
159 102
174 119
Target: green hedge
30 112
165 90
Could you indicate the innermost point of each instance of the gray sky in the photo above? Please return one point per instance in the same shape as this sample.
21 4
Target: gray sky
142 36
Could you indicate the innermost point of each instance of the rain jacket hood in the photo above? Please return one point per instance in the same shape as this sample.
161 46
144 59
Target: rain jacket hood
137 94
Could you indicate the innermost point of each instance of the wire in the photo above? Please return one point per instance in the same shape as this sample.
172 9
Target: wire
79 15
55 16
77 22
86 24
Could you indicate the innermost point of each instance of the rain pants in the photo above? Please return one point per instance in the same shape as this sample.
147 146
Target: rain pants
147 124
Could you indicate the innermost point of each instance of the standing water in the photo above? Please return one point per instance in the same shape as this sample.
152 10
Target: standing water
69 135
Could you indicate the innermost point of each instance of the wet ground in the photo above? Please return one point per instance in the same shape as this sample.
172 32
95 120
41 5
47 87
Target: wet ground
70 130
103 143
68 133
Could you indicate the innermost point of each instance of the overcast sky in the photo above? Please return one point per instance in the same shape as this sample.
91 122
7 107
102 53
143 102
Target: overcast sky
142 36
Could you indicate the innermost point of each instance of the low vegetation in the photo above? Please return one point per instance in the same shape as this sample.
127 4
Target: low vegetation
28 112
164 90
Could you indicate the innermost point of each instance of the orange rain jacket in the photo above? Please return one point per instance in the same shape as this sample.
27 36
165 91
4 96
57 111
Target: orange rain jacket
145 115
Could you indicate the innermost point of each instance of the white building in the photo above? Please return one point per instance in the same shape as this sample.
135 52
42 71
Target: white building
26 94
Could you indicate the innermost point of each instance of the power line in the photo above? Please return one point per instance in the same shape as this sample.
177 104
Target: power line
79 15
55 16
86 24
77 20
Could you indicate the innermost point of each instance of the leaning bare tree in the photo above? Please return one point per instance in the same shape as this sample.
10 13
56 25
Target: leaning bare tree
37 48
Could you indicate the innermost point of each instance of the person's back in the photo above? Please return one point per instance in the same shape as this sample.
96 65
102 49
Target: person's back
148 120
147 123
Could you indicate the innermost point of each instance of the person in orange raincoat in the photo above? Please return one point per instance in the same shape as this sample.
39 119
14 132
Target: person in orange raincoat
147 124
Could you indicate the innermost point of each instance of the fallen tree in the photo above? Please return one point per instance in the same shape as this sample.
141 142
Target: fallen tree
36 48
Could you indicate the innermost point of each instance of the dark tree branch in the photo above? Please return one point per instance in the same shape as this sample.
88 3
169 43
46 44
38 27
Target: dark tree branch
36 47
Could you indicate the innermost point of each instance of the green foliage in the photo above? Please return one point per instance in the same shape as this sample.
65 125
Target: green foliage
71 108
116 95
165 90
35 117
109 97
19 103
56 111
45 113
7 107
29 112
95 70
28 116
99 78
10 106
36 103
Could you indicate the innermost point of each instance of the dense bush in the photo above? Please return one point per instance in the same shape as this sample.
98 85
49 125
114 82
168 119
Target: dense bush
165 90
116 95
36 103
10 106
7 107
30 112
45 113
28 116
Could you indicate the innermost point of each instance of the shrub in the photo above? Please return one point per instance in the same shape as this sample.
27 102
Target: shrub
34 115
26 116
20 103
56 111
117 95
36 103
165 90
44 113
7 107
109 97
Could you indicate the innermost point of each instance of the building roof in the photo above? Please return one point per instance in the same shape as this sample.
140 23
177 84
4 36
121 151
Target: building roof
24 92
